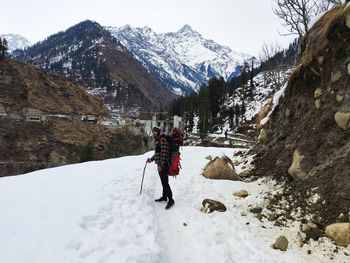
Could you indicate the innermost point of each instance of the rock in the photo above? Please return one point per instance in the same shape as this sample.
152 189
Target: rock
339 233
343 120
210 206
311 231
335 76
348 20
56 158
241 193
339 98
246 173
318 93
272 217
209 158
256 210
279 162
320 60
221 168
263 135
281 243
318 104
295 169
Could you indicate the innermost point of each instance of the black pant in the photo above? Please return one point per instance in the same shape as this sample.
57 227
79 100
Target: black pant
164 178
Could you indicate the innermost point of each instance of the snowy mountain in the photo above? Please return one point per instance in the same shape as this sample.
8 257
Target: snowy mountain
88 54
15 41
93 212
181 60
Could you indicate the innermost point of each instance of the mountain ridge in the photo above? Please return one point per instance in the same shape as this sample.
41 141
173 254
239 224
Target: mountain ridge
88 54
185 56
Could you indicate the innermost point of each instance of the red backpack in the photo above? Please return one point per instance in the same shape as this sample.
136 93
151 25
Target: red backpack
174 165
174 156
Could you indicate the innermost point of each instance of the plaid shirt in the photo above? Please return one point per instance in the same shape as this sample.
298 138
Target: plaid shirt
161 155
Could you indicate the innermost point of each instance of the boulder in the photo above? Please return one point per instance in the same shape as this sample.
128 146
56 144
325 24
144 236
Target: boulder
241 193
318 93
343 120
295 169
318 104
210 206
339 233
281 243
221 168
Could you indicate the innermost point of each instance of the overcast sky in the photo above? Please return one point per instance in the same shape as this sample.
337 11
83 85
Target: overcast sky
242 25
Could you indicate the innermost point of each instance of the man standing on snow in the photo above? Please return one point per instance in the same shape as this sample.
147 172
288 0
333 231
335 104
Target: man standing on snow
161 158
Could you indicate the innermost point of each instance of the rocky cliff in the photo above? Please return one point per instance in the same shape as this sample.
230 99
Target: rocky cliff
307 142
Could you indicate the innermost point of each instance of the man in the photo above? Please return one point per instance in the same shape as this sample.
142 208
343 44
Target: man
161 158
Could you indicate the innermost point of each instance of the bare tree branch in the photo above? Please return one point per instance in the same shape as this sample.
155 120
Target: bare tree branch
297 14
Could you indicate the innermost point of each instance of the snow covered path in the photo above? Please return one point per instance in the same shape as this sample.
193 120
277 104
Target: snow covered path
93 212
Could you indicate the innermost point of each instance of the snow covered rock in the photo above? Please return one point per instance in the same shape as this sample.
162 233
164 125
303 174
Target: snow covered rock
221 168
210 206
339 233
281 243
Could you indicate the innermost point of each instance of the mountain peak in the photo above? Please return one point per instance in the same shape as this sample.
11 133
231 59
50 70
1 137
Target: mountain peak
16 41
186 28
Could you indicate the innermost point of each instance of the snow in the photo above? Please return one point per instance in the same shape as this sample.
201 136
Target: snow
15 41
93 212
275 101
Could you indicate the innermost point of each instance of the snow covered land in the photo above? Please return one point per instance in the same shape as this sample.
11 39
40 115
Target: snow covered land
94 212
15 41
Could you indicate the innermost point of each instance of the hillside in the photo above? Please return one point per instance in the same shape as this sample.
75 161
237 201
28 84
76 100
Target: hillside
306 142
88 54
40 122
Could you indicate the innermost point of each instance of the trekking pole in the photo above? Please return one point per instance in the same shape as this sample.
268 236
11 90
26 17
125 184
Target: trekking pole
143 176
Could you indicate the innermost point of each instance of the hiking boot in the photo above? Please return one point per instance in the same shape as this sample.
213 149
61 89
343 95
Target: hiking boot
161 199
170 203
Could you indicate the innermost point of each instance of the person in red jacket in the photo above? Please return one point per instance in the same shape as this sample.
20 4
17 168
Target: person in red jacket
161 158
177 136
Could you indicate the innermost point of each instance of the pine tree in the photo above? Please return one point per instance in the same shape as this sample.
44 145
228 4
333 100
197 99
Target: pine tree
2 48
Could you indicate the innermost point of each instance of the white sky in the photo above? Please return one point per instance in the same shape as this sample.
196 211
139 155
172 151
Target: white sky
242 25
